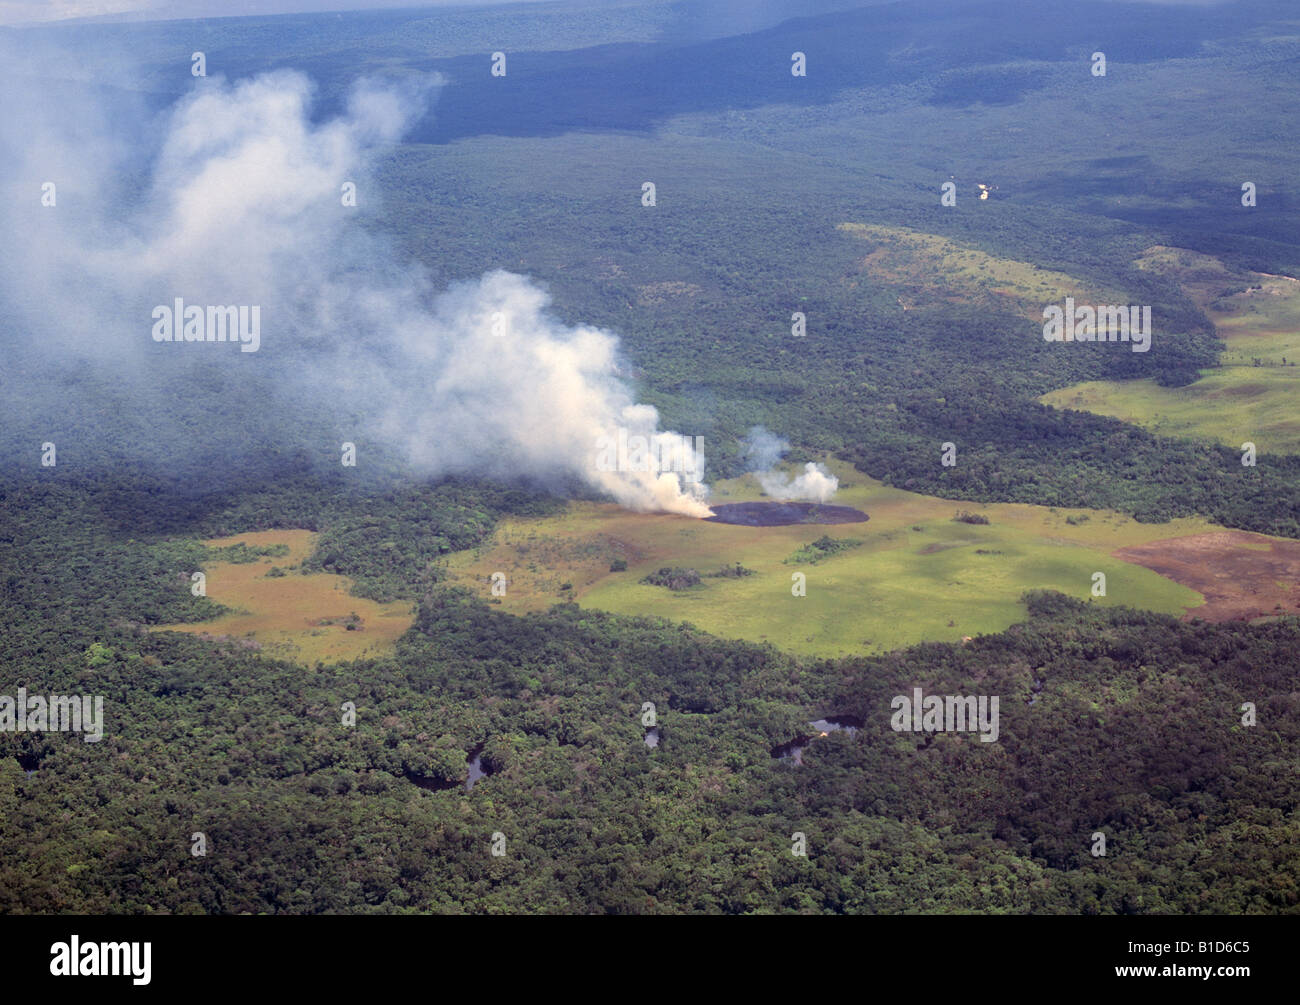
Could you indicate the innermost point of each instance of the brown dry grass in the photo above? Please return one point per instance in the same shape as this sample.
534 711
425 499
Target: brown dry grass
285 615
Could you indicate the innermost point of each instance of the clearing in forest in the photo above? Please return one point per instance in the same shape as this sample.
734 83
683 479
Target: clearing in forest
1242 576
304 618
927 270
1251 396
917 574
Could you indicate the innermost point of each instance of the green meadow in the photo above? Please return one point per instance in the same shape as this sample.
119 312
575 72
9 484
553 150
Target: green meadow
911 260
1233 406
917 574
1250 396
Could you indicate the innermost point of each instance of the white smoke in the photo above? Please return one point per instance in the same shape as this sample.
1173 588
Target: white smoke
244 205
765 450
511 390
816 484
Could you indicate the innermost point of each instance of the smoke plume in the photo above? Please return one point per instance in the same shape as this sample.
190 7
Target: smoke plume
764 451
236 197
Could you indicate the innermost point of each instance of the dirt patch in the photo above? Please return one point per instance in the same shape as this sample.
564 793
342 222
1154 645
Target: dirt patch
1241 576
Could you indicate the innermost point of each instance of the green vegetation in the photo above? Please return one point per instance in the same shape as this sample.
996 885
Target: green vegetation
1116 716
1229 407
824 547
392 549
736 571
896 587
673 578
242 553
1193 809
1249 396
912 263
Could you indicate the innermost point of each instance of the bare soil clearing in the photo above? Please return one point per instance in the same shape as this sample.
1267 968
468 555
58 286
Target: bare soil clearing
1242 576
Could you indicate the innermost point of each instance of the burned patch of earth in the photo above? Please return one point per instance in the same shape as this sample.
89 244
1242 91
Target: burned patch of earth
1241 576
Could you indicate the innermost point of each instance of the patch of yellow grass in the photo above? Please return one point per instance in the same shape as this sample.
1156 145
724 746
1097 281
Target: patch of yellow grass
283 613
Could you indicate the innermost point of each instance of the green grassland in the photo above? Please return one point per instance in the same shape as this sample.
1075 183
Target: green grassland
1232 406
918 575
910 260
1250 396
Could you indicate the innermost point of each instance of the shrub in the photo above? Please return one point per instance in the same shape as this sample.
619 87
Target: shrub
673 578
